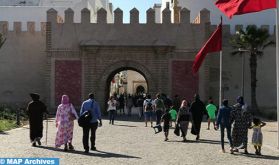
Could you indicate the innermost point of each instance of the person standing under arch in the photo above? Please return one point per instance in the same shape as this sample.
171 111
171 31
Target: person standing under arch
112 109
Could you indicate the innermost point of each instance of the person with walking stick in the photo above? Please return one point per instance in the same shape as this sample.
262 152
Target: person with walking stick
35 111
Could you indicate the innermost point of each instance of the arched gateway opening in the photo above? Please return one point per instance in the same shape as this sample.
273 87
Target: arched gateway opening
126 82
114 70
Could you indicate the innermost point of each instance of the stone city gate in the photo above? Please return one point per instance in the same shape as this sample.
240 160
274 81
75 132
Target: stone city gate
82 57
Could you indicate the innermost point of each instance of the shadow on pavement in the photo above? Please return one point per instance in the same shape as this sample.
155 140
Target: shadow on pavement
210 141
123 125
197 141
258 156
97 153
133 118
272 131
3 133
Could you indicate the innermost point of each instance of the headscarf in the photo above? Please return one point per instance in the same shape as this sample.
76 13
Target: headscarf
65 100
197 97
240 100
35 96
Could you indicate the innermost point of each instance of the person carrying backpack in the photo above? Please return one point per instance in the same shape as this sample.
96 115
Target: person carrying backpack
92 106
159 108
148 110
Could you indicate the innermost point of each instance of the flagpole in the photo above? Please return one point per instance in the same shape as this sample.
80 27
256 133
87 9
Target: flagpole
277 70
220 85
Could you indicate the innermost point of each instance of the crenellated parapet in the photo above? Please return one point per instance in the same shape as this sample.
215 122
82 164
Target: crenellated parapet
19 26
203 19
182 35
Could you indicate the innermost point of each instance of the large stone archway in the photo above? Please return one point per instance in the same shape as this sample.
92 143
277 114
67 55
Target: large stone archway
116 67
162 53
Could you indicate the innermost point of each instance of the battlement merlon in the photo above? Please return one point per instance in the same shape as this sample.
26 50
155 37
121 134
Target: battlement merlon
18 26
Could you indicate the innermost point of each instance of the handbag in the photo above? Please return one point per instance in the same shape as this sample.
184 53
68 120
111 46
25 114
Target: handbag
72 115
85 118
177 130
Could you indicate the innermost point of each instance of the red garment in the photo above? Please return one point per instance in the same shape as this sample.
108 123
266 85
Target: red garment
238 7
214 44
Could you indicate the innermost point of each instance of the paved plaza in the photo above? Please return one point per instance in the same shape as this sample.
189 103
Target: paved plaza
129 142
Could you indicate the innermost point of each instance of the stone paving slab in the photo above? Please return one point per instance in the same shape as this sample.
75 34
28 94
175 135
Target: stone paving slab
129 142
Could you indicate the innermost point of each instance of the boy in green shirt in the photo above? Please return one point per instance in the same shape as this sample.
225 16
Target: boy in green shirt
173 114
211 109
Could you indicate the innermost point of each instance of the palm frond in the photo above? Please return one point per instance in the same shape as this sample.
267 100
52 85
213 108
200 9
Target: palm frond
2 42
270 43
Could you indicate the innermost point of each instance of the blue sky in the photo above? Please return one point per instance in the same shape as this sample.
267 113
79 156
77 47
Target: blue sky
127 5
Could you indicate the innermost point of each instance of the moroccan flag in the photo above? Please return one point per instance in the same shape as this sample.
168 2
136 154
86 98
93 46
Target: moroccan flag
214 44
238 7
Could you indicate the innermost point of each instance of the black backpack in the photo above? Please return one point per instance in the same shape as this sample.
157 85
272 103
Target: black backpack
85 117
149 106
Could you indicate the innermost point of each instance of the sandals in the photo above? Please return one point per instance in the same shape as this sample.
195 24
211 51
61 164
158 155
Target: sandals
71 147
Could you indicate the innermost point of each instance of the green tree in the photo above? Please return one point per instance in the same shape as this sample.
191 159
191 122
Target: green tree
253 40
2 40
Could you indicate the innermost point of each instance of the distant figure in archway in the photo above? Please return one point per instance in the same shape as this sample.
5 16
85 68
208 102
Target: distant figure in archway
112 109
140 106
121 101
130 104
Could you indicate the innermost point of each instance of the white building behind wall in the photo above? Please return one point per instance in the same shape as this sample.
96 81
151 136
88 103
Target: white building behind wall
35 10
266 17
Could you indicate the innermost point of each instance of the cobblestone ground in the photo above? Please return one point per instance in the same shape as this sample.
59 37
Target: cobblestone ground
129 142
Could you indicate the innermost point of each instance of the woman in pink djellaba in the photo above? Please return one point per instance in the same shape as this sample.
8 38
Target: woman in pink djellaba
65 116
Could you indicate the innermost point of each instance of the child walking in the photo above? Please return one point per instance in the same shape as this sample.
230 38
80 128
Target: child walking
211 110
166 119
173 114
257 138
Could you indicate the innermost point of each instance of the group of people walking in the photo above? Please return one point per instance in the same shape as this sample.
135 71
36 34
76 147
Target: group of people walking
235 119
64 121
239 119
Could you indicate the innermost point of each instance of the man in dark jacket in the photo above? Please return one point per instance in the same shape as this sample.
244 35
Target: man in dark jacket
223 120
35 111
